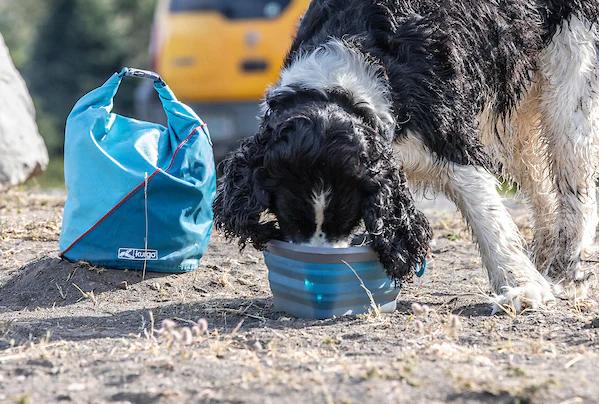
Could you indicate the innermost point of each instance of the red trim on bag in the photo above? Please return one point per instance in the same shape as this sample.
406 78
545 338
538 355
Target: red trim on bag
136 189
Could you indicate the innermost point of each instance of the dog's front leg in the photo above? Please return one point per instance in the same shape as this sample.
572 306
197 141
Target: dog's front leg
513 277
570 115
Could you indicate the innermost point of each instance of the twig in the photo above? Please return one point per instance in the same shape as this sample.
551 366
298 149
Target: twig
64 297
243 313
573 362
152 324
237 328
374 306
146 234
9 358
185 321
87 295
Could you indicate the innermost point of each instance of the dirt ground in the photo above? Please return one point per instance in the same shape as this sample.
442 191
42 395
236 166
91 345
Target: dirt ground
70 332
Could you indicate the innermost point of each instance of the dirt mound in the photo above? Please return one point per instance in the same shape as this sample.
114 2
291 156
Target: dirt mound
51 282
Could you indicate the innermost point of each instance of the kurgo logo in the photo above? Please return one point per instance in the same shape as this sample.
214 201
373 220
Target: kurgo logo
137 254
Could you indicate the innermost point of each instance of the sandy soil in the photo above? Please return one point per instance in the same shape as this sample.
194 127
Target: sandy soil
70 332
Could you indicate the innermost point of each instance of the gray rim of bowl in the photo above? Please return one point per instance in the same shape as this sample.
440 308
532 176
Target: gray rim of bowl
322 254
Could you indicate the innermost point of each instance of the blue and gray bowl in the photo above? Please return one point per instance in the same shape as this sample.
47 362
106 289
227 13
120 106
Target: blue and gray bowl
320 282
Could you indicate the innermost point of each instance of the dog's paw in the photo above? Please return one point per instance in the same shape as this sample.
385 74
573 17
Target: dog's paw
574 282
531 295
574 289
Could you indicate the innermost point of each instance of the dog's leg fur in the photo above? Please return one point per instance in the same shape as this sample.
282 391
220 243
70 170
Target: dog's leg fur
512 275
570 106
522 157
529 169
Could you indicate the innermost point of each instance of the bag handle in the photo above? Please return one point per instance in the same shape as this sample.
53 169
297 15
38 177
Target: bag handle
141 74
179 116
165 93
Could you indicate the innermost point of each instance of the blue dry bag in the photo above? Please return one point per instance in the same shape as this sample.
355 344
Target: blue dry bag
139 194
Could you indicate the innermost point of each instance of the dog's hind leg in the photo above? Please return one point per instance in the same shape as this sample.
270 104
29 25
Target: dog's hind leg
570 107
522 154
512 275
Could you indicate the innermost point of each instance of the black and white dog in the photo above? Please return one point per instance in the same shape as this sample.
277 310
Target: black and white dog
444 94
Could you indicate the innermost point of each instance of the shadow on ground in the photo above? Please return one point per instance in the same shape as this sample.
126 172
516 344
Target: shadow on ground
224 315
112 312
51 282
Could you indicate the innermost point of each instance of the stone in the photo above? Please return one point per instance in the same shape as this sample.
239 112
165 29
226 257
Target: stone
23 153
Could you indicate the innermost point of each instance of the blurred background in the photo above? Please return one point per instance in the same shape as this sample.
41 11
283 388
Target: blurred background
217 55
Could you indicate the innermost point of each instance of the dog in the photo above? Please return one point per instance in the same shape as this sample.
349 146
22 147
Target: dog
378 99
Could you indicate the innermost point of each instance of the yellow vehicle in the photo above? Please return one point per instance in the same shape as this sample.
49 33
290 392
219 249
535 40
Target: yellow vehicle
219 56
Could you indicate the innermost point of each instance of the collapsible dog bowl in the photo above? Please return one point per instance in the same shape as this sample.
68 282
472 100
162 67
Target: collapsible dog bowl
318 282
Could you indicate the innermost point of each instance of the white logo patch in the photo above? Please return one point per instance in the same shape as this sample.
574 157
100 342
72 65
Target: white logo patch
137 254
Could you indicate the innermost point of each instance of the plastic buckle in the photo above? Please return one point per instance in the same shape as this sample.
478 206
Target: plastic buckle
421 270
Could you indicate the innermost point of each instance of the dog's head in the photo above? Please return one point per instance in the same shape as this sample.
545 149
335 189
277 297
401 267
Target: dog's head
318 167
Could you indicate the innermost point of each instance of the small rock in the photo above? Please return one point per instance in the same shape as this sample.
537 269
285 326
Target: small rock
594 323
454 322
168 324
187 335
155 286
482 361
124 285
176 335
76 387
41 362
202 324
257 345
420 309
199 289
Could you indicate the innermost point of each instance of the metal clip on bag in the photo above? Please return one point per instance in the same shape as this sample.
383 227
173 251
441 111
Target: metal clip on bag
139 194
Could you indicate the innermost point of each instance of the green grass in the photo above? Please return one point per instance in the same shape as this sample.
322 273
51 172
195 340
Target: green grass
52 178
506 188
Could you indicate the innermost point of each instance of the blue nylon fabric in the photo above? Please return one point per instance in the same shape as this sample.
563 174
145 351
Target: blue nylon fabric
107 157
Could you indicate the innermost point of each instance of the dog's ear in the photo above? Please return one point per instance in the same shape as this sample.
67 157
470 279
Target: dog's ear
400 233
241 199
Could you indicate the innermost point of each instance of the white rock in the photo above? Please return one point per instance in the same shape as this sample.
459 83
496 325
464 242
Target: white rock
22 149
76 387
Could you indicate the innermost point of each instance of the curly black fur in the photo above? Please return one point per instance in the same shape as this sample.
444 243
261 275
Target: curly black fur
238 205
443 62
311 139
400 233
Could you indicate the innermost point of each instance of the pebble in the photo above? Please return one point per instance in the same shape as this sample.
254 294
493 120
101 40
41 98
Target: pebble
187 335
203 325
168 324
76 387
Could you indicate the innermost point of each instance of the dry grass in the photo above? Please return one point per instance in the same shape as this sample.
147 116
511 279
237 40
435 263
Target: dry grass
213 335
